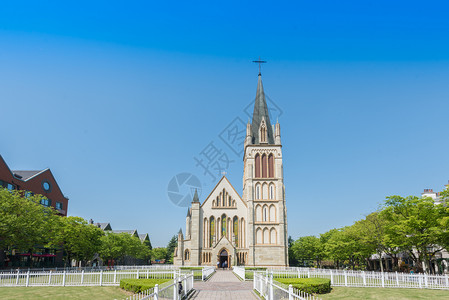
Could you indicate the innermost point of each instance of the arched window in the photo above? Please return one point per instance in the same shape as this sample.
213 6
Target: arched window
271 166
223 225
266 236
213 203
265 213
263 133
229 201
264 166
273 236
258 213
187 254
272 213
212 230
271 192
257 173
236 230
259 237
257 191
265 191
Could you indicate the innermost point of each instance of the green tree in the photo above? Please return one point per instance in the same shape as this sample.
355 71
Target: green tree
25 224
115 246
79 239
292 259
415 226
308 248
172 244
159 253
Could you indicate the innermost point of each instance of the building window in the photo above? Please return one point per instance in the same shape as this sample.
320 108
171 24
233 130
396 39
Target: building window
236 230
223 225
10 186
187 255
257 171
46 186
45 202
59 205
270 166
212 230
28 194
264 166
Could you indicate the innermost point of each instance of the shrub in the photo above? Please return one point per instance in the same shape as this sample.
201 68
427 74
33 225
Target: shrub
140 285
309 285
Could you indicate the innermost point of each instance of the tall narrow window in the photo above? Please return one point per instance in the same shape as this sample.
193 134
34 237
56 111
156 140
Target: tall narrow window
257 174
212 231
264 166
257 191
223 225
271 191
270 166
265 214
236 230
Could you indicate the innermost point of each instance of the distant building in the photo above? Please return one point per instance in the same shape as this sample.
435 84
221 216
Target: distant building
40 182
434 195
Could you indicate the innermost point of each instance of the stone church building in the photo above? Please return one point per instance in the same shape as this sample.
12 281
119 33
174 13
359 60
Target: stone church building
248 229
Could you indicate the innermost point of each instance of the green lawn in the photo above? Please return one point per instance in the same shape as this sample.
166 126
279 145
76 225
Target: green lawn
384 294
62 293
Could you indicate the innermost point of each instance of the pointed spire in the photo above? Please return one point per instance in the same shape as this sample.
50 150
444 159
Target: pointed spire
188 212
261 112
180 231
195 197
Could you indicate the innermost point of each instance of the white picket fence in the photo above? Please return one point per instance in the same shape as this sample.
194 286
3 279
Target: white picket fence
350 278
175 289
271 290
63 278
207 272
239 271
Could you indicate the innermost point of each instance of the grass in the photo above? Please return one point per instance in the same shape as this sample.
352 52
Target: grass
62 293
384 294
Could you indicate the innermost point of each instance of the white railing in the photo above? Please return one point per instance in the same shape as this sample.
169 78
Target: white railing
239 271
93 269
367 278
177 289
270 289
207 272
73 278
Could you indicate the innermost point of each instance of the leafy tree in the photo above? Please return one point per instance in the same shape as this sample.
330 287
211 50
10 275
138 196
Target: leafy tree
172 244
308 248
292 259
415 226
80 240
25 224
159 253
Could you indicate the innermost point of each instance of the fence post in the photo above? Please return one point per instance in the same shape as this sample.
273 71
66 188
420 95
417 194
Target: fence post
137 274
271 286
156 292
175 288
17 279
254 281
28 278
49 278
425 280
82 276
290 292
447 281
397 278
63 278
202 274
346 278
383 279
308 272
115 276
364 278
332 278
101 277
420 281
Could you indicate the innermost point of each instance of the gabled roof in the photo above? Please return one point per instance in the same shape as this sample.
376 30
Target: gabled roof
104 226
261 112
223 179
143 237
26 175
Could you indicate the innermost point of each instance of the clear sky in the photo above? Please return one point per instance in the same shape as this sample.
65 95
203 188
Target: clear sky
117 97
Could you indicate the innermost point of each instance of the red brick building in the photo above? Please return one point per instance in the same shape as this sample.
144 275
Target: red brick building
40 182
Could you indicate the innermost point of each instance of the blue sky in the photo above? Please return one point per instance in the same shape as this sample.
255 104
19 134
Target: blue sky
118 97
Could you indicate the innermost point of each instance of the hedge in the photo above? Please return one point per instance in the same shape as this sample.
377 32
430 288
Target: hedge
140 285
309 285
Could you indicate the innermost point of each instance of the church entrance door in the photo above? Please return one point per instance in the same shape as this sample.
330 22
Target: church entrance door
224 259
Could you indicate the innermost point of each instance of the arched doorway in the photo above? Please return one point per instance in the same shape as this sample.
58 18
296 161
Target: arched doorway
224 259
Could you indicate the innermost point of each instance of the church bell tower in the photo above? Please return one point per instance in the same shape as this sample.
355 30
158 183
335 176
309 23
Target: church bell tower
263 188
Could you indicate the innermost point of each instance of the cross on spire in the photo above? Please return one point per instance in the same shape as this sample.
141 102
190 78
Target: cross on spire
259 62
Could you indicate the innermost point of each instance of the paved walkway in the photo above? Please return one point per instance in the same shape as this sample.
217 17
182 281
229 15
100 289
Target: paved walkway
223 285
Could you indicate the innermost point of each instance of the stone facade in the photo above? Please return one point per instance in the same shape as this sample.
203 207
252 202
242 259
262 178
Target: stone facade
242 230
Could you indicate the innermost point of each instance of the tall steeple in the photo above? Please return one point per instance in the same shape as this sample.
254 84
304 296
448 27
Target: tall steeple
261 114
